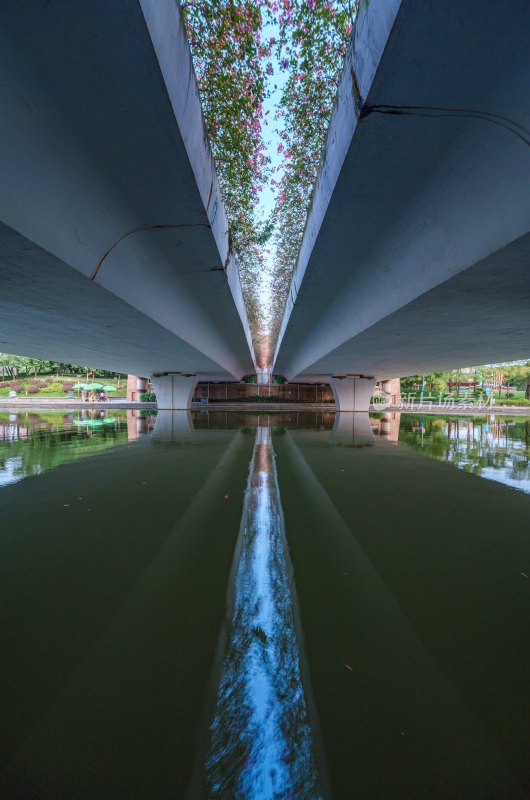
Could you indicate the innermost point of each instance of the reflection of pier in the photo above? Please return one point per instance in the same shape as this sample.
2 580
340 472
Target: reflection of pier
352 430
173 426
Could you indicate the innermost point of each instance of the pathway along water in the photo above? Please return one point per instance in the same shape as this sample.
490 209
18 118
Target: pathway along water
374 642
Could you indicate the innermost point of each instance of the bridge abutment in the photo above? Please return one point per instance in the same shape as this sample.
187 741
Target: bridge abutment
174 391
352 392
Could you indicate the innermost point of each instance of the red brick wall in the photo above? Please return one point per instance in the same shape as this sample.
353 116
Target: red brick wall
288 392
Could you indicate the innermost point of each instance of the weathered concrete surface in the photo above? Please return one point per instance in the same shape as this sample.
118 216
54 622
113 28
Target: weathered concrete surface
102 134
174 392
352 392
416 250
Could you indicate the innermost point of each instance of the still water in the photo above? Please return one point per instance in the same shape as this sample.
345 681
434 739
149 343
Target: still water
228 605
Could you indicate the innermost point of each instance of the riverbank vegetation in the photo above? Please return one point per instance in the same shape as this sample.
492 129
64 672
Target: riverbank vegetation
507 383
34 376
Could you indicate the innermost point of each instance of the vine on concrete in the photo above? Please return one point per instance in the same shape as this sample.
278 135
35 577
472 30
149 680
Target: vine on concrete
231 63
234 67
311 50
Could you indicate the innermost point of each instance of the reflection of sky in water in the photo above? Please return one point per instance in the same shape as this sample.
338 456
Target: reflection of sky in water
496 449
10 471
261 743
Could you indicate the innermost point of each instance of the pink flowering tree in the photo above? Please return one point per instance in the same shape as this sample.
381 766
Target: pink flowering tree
311 48
234 71
231 63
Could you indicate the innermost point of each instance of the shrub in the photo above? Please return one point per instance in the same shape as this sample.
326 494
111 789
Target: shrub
17 387
35 381
512 402
5 384
68 387
49 380
51 388
42 384
32 389
148 397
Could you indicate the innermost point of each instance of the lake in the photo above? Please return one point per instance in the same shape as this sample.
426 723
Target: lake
249 605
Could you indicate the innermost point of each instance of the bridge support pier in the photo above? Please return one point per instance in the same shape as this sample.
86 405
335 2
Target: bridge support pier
352 392
174 390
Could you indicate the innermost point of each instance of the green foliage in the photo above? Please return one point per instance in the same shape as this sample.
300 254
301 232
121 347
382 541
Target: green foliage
230 61
36 366
148 397
311 49
52 388
234 74
512 401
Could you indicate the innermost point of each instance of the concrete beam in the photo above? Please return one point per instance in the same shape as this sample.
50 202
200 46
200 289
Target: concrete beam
109 195
415 251
352 392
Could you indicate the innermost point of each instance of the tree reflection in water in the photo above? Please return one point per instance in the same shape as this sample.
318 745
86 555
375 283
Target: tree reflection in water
261 743
496 448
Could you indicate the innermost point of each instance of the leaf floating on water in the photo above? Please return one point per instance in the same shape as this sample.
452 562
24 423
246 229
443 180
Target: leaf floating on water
348 666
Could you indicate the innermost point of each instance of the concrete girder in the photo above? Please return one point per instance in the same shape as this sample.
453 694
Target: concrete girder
108 181
417 235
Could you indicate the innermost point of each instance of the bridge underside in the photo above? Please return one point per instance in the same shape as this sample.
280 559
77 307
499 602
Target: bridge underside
114 249
416 254
480 316
49 310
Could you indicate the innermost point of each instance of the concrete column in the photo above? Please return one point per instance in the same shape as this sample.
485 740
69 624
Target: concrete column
174 391
352 430
352 392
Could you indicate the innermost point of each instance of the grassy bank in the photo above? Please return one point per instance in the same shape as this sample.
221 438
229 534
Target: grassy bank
52 386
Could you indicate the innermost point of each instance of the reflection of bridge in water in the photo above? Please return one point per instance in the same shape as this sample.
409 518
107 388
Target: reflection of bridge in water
139 677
